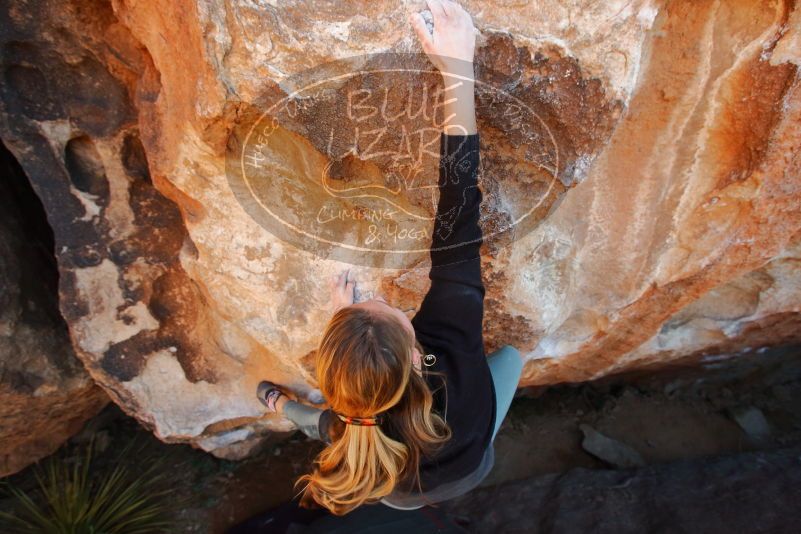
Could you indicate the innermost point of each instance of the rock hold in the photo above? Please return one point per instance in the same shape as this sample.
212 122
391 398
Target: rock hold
609 450
753 422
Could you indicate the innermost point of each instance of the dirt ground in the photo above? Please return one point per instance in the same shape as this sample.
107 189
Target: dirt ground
668 416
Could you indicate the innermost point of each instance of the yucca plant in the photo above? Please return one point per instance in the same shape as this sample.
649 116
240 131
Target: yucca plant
130 498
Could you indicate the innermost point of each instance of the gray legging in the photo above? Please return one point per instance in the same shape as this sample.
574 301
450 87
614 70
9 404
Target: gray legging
505 366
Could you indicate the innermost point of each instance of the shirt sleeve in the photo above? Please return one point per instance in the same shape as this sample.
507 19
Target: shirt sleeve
451 314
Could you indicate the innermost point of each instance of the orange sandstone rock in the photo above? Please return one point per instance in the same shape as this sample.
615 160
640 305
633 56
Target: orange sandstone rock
640 169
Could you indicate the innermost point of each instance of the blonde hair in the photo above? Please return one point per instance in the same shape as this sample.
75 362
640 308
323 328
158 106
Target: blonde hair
364 368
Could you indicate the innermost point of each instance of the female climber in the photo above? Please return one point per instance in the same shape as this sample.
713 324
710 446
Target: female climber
414 404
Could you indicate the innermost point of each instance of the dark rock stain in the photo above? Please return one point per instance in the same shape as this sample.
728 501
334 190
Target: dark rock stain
86 169
50 72
126 360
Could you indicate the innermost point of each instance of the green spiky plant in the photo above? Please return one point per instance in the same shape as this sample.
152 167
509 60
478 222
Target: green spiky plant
130 498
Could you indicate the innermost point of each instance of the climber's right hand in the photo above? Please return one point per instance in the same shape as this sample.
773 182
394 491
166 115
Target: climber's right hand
452 45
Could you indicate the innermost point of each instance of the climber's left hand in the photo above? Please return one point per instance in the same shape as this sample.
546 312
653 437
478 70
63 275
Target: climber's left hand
342 290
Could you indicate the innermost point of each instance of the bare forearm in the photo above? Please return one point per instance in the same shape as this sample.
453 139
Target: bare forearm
459 101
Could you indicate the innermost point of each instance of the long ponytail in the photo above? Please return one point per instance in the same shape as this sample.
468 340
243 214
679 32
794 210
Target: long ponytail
364 368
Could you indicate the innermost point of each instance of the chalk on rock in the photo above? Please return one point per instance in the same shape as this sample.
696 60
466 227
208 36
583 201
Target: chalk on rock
315 396
609 450
429 19
361 295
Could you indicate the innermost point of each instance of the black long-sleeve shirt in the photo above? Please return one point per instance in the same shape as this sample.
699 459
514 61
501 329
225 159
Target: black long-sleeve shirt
449 321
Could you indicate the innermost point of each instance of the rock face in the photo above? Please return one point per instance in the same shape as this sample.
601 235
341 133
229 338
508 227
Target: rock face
640 171
45 393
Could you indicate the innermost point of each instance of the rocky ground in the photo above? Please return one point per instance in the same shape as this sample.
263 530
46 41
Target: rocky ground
714 449
740 492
